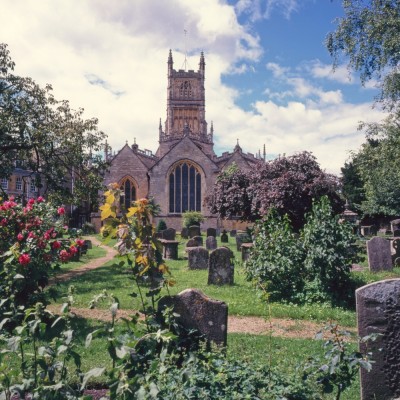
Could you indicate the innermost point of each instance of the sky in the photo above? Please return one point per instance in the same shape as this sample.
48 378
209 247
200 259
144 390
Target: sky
269 77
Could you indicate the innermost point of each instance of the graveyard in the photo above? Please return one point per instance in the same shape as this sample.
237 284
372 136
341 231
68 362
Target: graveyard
207 290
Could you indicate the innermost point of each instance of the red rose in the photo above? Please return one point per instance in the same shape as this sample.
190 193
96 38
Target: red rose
64 255
20 236
73 249
80 242
31 201
56 245
61 211
24 259
40 199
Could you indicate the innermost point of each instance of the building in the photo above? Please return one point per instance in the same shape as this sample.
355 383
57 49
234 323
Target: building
185 166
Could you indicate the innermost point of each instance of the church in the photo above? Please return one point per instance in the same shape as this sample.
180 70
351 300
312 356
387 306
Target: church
185 166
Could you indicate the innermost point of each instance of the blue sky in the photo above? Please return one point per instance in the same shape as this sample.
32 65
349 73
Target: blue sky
269 77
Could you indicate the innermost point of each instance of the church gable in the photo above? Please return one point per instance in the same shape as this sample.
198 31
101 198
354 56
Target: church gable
128 165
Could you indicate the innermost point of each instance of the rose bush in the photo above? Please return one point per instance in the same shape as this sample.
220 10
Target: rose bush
30 248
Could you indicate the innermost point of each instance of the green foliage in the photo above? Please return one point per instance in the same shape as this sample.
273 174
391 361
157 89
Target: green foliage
88 228
311 267
341 364
276 258
328 247
161 225
190 218
368 37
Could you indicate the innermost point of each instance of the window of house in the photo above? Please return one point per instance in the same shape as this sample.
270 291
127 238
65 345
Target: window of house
184 188
18 183
4 183
128 189
33 188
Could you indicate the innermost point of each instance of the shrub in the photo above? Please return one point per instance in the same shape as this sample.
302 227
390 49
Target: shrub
88 228
315 267
276 262
161 226
190 218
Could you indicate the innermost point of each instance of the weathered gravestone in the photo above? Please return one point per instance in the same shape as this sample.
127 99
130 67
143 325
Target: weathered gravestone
395 225
185 233
211 232
211 243
194 230
232 233
169 234
198 258
240 239
379 254
224 237
220 267
195 242
378 312
199 312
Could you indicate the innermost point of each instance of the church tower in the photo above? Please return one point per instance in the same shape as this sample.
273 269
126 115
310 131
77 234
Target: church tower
185 109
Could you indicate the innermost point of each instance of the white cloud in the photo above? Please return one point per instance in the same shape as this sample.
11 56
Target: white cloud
263 9
111 59
340 74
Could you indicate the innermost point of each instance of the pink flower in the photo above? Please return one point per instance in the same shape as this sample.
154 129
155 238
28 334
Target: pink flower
46 236
31 201
24 259
73 249
80 242
40 199
20 236
31 235
64 255
4 222
61 211
56 245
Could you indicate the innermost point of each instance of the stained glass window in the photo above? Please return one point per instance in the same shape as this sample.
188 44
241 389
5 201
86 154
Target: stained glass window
184 188
129 193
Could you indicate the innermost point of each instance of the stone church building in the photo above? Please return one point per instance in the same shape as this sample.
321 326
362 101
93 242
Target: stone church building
185 165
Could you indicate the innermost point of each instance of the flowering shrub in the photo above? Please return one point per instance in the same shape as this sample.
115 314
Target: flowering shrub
29 249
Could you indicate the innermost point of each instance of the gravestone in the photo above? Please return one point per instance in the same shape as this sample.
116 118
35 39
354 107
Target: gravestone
395 248
224 237
211 232
246 250
211 243
195 242
220 267
184 233
395 224
199 312
240 239
194 230
88 243
378 311
169 234
369 230
379 254
232 233
198 258
396 233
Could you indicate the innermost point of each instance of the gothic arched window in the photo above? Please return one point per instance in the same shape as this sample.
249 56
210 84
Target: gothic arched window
128 188
185 89
184 188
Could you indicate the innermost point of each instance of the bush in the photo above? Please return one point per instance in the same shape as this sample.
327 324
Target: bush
313 266
190 218
88 228
161 226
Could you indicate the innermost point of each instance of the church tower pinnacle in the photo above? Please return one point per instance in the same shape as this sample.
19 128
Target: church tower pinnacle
186 108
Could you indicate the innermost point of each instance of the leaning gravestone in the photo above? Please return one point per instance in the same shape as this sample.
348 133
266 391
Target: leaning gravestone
198 258
220 267
184 233
211 232
194 230
379 254
169 234
195 242
224 237
199 312
378 311
211 243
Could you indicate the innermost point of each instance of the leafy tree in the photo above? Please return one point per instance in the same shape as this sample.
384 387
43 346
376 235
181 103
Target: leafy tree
230 196
368 36
54 143
190 218
352 183
289 184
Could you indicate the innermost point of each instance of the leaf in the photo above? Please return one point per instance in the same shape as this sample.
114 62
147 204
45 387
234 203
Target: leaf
56 321
90 336
131 211
93 373
18 276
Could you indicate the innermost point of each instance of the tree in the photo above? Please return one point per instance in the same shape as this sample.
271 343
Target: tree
289 185
54 143
230 196
369 37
